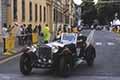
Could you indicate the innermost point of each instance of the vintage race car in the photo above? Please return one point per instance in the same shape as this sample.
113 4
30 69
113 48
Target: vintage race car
61 55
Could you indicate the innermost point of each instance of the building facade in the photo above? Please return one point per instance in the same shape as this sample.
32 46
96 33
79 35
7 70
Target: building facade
51 12
26 12
63 13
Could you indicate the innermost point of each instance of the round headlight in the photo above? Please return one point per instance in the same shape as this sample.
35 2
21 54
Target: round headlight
80 40
35 45
55 49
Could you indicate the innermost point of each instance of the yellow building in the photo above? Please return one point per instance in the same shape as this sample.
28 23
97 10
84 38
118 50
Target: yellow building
63 11
51 12
28 12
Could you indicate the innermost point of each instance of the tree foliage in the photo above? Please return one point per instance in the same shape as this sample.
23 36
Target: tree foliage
89 12
104 12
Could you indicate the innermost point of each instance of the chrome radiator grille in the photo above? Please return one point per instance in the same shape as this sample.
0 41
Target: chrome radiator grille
44 52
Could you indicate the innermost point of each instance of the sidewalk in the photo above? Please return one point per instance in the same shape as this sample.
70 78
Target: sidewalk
2 56
1 49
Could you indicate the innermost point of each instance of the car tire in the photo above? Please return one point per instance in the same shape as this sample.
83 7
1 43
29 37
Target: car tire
25 65
90 62
90 55
64 68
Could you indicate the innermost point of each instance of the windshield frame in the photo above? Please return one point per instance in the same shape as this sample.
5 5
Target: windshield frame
67 35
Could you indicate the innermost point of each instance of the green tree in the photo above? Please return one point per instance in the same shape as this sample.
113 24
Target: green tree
89 12
106 11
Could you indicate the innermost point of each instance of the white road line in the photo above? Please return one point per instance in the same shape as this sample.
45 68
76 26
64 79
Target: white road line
106 43
110 44
98 43
10 58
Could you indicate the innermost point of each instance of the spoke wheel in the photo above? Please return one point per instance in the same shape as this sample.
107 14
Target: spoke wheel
25 65
64 68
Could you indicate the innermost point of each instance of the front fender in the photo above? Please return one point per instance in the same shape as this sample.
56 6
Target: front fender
90 52
66 52
30 54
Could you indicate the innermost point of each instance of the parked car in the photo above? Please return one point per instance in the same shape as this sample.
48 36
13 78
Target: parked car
60 55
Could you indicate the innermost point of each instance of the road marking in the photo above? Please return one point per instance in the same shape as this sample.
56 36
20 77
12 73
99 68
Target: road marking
110 43
98 43
5 77
10 58
106 43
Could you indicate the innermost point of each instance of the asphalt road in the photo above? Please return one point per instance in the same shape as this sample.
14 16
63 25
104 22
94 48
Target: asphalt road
106 66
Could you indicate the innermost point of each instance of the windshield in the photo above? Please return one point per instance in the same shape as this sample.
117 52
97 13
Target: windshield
68 37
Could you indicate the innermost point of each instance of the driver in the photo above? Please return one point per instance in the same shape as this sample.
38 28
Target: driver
81 43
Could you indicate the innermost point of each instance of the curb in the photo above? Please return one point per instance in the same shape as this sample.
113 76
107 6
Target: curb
13 53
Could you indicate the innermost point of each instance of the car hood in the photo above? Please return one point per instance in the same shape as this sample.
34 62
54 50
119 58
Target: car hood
59 44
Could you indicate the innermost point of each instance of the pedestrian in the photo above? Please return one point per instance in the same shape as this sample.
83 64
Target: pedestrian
69 28
29 34
46 34
40 35
4 36
39 28
24 36
41 39
59 32
20 34
64 29
35 29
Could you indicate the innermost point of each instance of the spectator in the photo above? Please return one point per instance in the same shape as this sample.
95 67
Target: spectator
46 33
59 32
20 35
41 38
29 34
39 28
24 34
4 35
64 29
35 29
40 35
